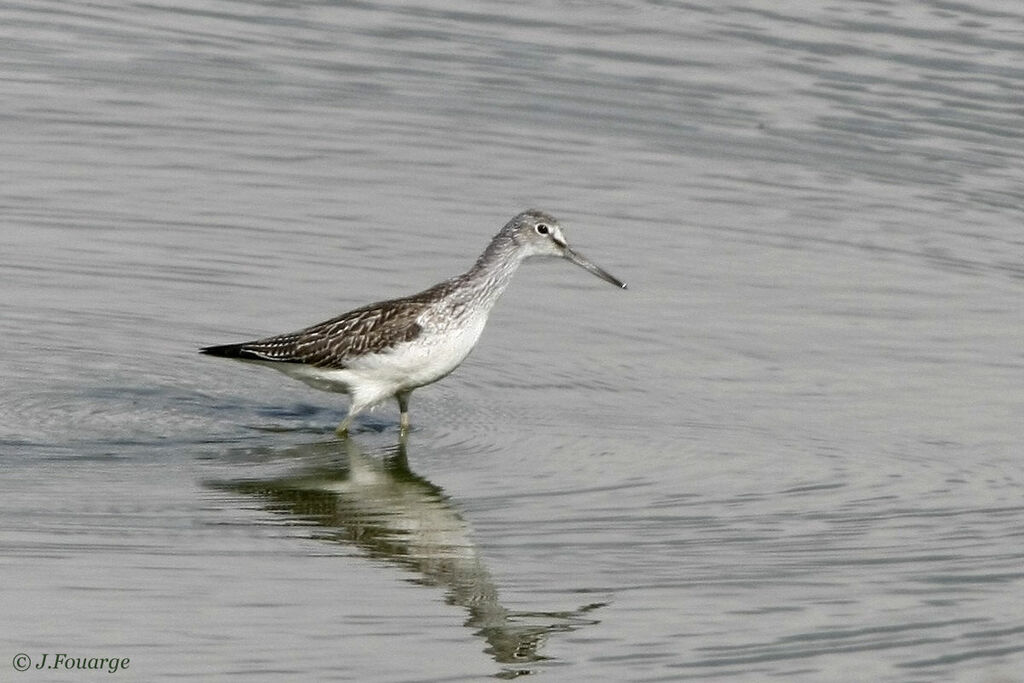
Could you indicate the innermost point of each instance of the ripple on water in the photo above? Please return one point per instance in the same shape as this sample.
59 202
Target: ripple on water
111 417
790 450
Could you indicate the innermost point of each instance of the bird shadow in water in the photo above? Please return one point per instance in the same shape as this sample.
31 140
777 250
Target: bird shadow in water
372 500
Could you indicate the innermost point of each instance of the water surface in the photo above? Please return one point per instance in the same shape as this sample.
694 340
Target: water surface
790 450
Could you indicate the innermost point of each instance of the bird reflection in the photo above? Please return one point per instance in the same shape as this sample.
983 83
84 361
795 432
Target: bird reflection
374 501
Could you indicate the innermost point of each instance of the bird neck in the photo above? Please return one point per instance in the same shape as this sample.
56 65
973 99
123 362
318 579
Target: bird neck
493 271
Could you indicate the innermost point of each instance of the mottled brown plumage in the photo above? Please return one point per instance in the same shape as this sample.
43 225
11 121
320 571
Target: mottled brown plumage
332 343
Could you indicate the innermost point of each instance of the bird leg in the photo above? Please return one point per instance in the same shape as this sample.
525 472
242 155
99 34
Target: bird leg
403 407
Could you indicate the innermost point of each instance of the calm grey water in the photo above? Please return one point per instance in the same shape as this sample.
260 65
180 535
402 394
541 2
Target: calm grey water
791 450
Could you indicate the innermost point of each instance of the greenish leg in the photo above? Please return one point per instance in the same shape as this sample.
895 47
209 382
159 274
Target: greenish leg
403 407
342 429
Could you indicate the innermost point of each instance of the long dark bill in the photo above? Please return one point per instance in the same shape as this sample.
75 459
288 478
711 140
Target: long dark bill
590 267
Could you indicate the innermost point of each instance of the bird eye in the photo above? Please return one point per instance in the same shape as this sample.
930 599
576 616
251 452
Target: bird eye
542 229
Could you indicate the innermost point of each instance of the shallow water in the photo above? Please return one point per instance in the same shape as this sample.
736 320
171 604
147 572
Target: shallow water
791 449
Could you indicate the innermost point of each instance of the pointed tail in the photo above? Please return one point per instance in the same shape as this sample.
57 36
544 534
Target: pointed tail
228 351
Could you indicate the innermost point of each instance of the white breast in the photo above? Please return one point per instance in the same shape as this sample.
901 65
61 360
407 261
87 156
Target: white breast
372 378
425 359
428 358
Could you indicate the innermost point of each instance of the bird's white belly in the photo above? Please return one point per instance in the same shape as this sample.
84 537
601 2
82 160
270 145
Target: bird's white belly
420 361
374 377
324 379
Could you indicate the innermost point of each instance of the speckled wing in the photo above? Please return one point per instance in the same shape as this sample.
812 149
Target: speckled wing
336 342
